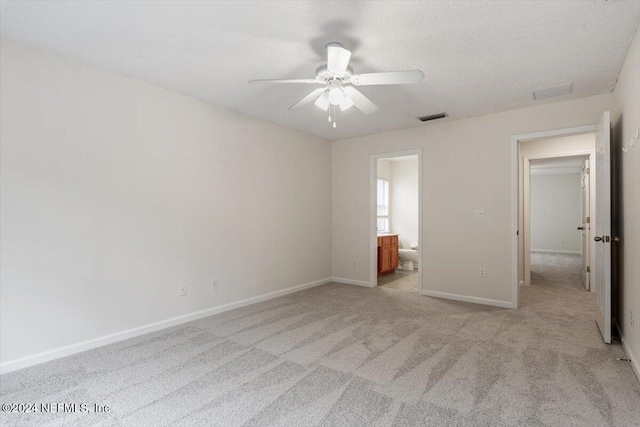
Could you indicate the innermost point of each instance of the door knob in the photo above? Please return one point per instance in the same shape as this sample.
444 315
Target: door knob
598 239
580 228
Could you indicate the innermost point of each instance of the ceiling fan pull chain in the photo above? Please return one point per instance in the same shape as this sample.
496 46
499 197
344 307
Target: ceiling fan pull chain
334 116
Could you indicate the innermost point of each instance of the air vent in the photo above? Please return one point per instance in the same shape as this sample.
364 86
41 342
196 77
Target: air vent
552 92
432 117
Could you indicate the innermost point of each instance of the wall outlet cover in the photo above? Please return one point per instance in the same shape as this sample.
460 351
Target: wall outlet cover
182 289
214 284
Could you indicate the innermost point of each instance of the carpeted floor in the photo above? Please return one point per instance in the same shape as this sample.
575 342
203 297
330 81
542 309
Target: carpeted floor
341 355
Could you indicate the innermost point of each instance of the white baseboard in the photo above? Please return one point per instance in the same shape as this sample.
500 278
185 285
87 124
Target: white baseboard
464 298
635 363
24 362
556 251
351 282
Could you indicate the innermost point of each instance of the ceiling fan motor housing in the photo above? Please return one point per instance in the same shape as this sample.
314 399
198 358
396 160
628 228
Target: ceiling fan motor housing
324 75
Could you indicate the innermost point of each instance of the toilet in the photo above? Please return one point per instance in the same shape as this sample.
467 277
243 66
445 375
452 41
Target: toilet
408 257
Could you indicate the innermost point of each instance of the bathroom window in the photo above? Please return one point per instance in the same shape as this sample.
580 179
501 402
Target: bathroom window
383 205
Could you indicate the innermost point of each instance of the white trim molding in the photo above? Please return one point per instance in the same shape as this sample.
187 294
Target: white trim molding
352 282
465 298
57 353
555 251
635 362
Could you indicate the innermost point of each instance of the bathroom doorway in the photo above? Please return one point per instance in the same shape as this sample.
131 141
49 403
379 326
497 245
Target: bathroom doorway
396 221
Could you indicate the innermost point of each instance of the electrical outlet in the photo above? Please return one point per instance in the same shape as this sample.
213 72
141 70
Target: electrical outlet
632 318
182 289
563 243
478 215
355 263
214 284
483 272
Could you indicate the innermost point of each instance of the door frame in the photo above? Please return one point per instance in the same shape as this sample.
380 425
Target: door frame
585 234
515 184
373 229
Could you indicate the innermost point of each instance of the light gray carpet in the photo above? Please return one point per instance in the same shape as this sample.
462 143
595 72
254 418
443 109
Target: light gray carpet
345 355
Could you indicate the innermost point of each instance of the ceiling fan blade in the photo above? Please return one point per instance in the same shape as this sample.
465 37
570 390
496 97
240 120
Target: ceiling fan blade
390 78
337 59
307 99
360 101
346 103
308 81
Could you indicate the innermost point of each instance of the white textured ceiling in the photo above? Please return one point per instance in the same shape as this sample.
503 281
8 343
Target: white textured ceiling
478 57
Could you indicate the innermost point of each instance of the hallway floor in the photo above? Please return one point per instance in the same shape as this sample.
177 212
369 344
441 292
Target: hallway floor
556 288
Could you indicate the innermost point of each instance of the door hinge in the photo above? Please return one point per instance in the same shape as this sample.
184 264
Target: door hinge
588 269
588 220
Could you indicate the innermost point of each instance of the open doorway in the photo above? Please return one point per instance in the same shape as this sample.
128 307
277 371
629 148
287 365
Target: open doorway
556 219
559 165
593 141
396 226
559 200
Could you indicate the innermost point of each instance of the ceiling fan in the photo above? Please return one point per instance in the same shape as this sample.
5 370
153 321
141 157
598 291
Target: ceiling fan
338 81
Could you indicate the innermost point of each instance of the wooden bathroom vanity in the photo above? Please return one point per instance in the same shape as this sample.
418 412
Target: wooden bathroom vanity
387 253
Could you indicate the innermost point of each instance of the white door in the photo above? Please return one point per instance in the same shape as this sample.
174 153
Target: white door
585 225
603 226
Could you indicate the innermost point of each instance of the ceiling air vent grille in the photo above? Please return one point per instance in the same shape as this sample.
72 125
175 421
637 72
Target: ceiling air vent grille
552 92
432 117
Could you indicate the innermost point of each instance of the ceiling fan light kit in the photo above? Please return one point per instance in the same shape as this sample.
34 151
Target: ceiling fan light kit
339 81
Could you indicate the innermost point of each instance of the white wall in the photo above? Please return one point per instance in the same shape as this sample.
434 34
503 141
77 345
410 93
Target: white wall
384 169
556 212
626 121
115 191
466 166
404 201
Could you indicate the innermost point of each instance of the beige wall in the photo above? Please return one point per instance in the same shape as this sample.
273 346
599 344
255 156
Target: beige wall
115 191
467 165
626 121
